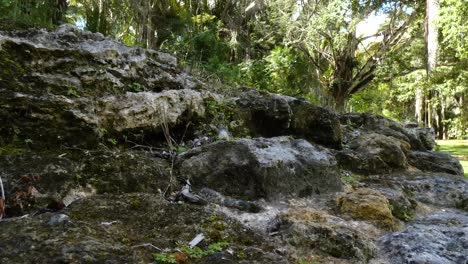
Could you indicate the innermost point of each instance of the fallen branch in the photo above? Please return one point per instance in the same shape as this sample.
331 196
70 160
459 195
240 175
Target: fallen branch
148 245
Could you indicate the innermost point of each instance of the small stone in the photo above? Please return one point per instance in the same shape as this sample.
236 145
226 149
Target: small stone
57 219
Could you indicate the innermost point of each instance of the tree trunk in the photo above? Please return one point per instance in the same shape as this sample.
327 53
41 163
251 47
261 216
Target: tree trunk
419 105
343 76
340 102
432 11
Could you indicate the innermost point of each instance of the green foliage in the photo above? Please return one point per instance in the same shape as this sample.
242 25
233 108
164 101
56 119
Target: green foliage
11 149
219 113
113 141
17 14
181 149
328 39
164 258
283 71
352 179
191 253
136 87
454 26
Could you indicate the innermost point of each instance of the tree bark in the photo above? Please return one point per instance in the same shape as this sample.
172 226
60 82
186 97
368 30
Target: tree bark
432 10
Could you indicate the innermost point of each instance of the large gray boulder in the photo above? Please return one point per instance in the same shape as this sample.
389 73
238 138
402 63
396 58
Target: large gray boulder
268 115
435 161
57 120
405 189
73 62
356 124
32 180
261 167
374 153
76 88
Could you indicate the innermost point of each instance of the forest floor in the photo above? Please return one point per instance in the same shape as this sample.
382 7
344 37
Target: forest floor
458 148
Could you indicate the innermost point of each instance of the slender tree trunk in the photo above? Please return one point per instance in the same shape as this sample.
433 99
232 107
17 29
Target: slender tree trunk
432 11
419 105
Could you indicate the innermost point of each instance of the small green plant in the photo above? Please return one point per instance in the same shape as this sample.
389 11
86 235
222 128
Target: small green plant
11 149
352 179
191 253
72 92
28 141
136 87
164 258
113 141
181 149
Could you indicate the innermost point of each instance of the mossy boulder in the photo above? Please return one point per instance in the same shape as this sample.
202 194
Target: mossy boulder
357 124
367 204
72 62
261 167
267 115
435 161
374 153
53 174
308 232
54 120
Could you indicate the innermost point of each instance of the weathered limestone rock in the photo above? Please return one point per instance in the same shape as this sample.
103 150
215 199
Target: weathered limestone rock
406 188
110 228
65 93
316 124
266 114
73 62
374 153
438 238
56 119
261 168
309 232
425 134
71 87
34 180
363 123
436 162
367 204
402 204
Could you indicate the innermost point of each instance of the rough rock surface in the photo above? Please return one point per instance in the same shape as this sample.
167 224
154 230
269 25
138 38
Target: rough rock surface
374 153
435 161
357 124
310 232
84 121
73 88
122 228
270 115
262 167
54 173
406 190
440 238
367 204
375 145
74 62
